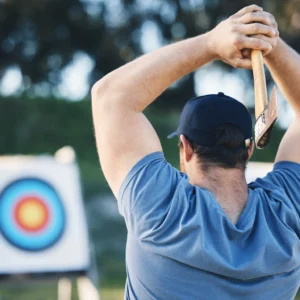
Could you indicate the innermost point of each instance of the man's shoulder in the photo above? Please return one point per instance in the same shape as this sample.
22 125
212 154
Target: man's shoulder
279 190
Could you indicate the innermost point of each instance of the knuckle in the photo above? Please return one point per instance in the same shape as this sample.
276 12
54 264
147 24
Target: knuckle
254 7
257 44
267 14
273 20
249 16
271 17
274 26
257 27
234 28
268 47
267 17
270 21
237 40
254 14
271 31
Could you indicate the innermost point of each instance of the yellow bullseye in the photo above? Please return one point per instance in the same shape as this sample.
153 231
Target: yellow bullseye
31 214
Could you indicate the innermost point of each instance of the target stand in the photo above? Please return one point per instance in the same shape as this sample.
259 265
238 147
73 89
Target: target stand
43 228
86 289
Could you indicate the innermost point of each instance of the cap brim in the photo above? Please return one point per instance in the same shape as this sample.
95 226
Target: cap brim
172 135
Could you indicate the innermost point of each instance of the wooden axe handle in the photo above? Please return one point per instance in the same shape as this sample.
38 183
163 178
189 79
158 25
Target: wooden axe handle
260 86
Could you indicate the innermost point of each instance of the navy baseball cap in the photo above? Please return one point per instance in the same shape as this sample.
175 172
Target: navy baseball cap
202 115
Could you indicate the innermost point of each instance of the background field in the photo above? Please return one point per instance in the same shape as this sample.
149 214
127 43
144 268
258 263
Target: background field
49 293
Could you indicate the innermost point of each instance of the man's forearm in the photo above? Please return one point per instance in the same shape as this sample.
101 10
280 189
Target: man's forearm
140 82
284 64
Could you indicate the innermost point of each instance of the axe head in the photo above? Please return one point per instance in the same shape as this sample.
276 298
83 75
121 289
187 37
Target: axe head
265 122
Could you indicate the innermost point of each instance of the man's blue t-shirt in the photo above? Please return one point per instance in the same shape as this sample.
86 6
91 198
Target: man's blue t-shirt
181 244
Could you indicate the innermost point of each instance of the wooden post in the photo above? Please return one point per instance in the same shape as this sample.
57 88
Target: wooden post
64 289
86 289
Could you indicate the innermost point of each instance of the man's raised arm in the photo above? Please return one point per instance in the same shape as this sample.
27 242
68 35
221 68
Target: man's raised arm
284 64
123 134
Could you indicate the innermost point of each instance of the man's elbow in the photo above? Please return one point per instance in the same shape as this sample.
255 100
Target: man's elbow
100 90
107 98
106 92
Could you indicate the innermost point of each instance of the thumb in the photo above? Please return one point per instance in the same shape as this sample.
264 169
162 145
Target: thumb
242 63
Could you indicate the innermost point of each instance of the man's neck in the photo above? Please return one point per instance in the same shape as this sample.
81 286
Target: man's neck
229 188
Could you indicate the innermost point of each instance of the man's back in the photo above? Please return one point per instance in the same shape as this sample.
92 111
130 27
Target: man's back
181 245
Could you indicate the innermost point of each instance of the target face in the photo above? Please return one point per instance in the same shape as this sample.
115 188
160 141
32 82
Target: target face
32 216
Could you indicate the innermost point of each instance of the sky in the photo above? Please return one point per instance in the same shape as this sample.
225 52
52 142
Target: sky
74 85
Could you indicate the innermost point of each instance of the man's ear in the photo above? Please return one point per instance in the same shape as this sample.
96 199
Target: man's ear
250 150
187 149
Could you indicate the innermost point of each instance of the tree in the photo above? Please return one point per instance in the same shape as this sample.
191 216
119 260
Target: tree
42 36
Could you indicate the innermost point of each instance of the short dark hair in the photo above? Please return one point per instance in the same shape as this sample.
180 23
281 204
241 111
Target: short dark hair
225 154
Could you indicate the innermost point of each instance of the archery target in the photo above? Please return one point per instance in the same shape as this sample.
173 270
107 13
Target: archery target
43 227
32 215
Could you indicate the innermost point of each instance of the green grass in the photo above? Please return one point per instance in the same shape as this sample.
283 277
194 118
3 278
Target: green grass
112 294
49 292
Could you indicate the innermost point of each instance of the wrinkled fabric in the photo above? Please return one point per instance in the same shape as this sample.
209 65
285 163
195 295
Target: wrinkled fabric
181 244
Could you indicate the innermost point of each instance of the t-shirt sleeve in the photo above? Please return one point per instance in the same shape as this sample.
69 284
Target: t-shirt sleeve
146 197
286 176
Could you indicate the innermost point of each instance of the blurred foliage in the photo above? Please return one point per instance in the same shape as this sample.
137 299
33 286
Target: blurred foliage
32 126
42 36
38 126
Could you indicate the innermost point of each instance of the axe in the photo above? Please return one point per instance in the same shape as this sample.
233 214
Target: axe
266 112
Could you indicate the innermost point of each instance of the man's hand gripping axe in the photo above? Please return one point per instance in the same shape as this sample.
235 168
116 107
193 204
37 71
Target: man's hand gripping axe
266 112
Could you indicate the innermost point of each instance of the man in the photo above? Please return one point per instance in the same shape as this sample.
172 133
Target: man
203 234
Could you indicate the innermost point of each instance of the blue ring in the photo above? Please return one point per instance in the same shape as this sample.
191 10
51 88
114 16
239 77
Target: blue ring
48 236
